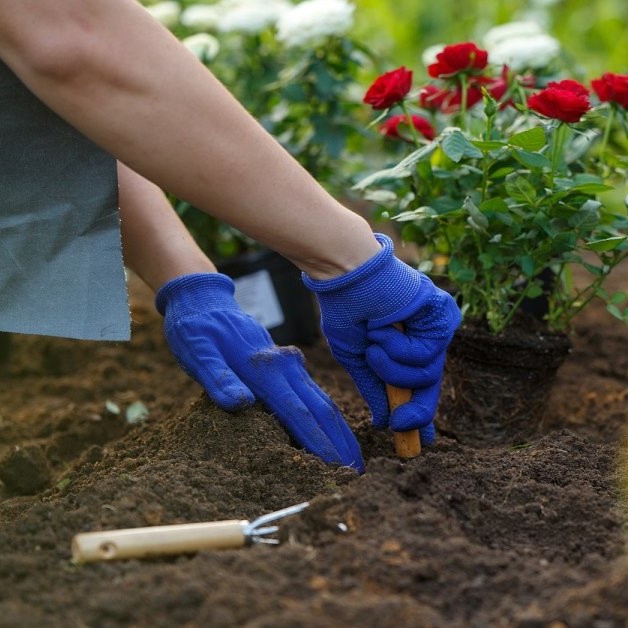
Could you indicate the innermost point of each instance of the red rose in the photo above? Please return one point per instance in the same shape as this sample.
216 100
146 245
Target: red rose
565 100
458 58
432 97
390 128
571 86
612 87
447 100
498 86
454 100
389 88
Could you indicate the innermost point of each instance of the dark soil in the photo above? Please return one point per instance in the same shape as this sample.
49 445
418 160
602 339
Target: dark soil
462 536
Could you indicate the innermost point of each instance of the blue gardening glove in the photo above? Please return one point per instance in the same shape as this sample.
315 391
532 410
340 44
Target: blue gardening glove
358 311
235 360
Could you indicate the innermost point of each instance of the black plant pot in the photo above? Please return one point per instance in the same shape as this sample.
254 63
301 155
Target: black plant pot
269 288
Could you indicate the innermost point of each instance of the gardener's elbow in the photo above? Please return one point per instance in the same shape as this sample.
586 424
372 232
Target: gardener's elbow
45 52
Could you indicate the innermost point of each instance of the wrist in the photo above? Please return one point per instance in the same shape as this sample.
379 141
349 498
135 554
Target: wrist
187 294
341 250
380 287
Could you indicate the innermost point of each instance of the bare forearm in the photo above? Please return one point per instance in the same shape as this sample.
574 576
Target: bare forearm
157 245
114 73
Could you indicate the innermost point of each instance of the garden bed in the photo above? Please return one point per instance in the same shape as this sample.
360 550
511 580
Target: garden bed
462 536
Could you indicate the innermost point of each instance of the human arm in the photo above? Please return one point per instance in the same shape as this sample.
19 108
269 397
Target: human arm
225 350
117 75
124 81
157 245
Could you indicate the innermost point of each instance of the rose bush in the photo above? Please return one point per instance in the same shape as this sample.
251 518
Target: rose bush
513 190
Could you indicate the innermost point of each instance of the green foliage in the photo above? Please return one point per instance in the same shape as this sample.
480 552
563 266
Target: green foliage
502 198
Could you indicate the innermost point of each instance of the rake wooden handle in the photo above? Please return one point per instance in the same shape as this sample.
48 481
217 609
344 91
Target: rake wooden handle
157 540
407 444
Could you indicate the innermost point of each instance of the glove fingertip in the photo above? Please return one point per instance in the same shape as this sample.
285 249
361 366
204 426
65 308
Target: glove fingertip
351 453
428 435
232 398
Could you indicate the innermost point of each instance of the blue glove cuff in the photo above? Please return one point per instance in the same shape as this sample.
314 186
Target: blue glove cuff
382 286
199 291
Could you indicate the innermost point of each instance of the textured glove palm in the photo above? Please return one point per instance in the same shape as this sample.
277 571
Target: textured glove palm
358 311
235 360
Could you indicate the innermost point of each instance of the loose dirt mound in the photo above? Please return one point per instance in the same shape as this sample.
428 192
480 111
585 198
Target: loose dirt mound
462 536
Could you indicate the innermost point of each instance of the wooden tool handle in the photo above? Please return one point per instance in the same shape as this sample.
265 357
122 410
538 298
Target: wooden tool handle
157 540
407 444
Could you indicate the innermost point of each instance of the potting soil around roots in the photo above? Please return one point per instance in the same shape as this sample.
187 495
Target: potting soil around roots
461 536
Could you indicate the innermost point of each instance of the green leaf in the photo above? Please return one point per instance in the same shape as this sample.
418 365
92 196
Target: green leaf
530 140
487 261
594 270
534 289
526 263
606 244
592 188
402 170
585 184
519 188
456 146
499 173
618 313
424 170
420 213
459 273
381 196
495 204
488 145
535 161
478 219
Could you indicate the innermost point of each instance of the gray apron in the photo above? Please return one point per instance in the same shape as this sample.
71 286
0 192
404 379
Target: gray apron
61 269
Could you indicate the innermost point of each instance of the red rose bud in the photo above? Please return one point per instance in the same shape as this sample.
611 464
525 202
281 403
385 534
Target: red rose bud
458 58
390 128
612 87
565 100
389 88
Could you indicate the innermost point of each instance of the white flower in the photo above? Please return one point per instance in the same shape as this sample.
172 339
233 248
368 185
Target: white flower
429 54
510 30
201 16
250 16
525 53
313 20
165 12
203 45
